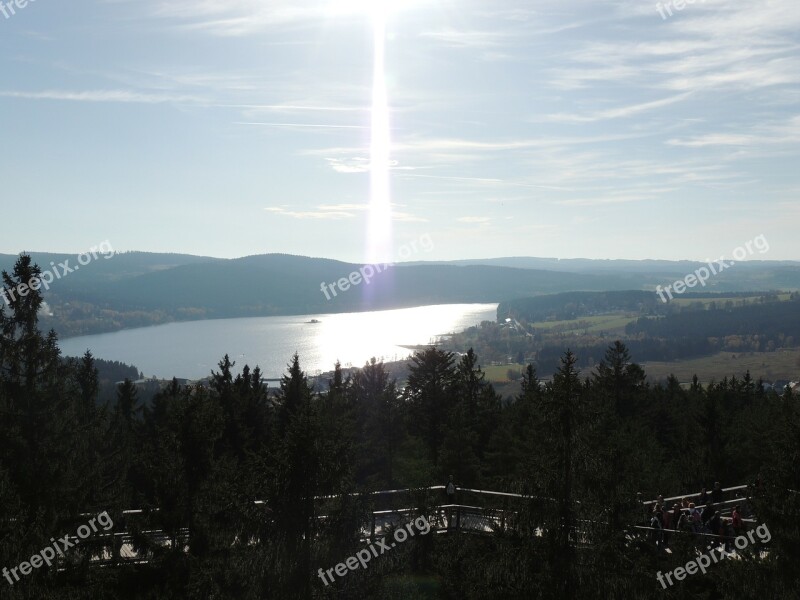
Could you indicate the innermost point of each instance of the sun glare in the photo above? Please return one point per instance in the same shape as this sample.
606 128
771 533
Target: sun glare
379 231
379 225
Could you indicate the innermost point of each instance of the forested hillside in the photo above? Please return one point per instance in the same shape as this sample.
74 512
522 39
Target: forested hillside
137 289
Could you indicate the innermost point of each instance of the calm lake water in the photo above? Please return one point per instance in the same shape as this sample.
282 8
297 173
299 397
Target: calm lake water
192 349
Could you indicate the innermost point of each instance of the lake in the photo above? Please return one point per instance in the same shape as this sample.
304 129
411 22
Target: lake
192 349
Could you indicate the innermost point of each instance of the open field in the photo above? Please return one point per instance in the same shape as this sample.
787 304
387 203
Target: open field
613 322
782 364
499 373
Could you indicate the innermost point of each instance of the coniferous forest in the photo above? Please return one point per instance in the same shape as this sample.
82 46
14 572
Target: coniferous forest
232 491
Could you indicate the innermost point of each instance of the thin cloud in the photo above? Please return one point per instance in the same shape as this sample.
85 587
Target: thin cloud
486 180
336 212
615 113
100 96
606 200
302 125
356 164
237 18
468 39
332 215
295 107
787 132
474 220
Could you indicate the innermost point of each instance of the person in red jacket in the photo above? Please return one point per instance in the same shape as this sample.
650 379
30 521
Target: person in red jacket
736 520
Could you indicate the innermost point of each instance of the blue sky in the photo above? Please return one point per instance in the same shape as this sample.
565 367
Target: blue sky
538 128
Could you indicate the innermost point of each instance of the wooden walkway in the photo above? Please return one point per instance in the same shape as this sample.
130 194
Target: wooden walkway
473 511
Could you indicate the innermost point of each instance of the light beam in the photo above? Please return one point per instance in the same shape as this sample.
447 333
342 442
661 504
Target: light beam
379 234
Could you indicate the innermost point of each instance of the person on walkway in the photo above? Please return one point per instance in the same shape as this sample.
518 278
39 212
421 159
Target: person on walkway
657 529
715 523
671 518
685 522
695 517
729 533
677 513
450 491
736 521
716 493
706 516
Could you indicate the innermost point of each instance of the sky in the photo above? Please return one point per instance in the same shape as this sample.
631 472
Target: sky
517 128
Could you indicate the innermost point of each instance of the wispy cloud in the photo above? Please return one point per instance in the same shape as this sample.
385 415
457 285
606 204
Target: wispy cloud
330 215
303 125
288 108
99 96
335 212
615 113
245 17
787 132
603 200
355 164
468 39
485 180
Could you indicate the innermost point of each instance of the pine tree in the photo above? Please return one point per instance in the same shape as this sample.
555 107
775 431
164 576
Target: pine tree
381 427
471 421
37 404
564 408
620 377
298 471
430 395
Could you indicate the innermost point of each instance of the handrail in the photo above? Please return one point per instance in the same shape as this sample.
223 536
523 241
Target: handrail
693 533
645 503
682 496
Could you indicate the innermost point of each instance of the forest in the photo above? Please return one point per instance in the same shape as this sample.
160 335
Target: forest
254 491
699 324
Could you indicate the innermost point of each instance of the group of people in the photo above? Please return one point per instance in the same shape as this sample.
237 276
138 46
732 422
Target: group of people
700 516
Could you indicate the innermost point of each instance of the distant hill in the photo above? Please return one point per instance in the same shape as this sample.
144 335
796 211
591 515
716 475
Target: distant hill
122 266
591 265
138 288
283 284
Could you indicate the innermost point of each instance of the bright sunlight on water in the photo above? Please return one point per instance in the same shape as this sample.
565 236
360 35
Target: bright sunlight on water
192 349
